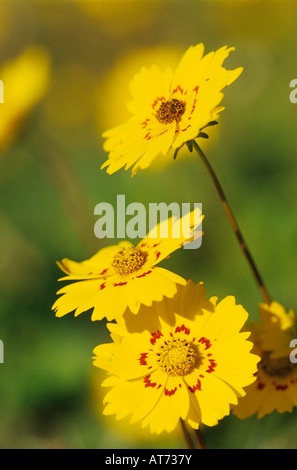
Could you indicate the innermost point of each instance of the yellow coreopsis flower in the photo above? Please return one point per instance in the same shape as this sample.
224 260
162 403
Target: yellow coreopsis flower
183 357
123 276
276 386
25 82
169 109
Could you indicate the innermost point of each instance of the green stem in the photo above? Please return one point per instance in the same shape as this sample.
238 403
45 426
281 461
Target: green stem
200 439
186 435
234 225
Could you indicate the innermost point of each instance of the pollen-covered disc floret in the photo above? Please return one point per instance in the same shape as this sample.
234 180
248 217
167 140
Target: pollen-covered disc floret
170 111
177 356
129 260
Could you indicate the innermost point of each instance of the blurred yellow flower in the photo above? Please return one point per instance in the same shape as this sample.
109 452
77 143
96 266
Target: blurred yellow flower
75 94
169 109
123 276
181 358
25 82
276 384
121 17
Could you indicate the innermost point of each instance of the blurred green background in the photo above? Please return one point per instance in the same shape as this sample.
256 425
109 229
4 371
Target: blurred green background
50 182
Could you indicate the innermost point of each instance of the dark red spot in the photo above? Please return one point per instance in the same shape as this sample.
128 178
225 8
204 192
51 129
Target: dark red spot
157 101
102 286
142 359
169 393
178 88
197 386
260 386
155 336
163 132
281 387
103 272
148 383
186 128
158 254
212 366
205 341
144 274
182 328
119 284
145 123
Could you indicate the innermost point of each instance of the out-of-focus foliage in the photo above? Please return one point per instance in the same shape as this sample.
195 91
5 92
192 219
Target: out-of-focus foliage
50 182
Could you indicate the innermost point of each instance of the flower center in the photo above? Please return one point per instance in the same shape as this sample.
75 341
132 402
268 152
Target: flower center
279 367
128 260
177 356
171 110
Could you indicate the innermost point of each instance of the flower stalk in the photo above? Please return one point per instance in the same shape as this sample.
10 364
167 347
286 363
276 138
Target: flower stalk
226 206
186 435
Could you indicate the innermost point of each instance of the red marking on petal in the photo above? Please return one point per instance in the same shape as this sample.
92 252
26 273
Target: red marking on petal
197 386
205 341
156 336
142 359
182 328
145 123
186 128
260 386
148 136
119 284
179 88
144 274
196 89
193 107
169 393
156 244
157 101
102 286
202 376
212 366
103 272
148 383
158 254
163 132
281 387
